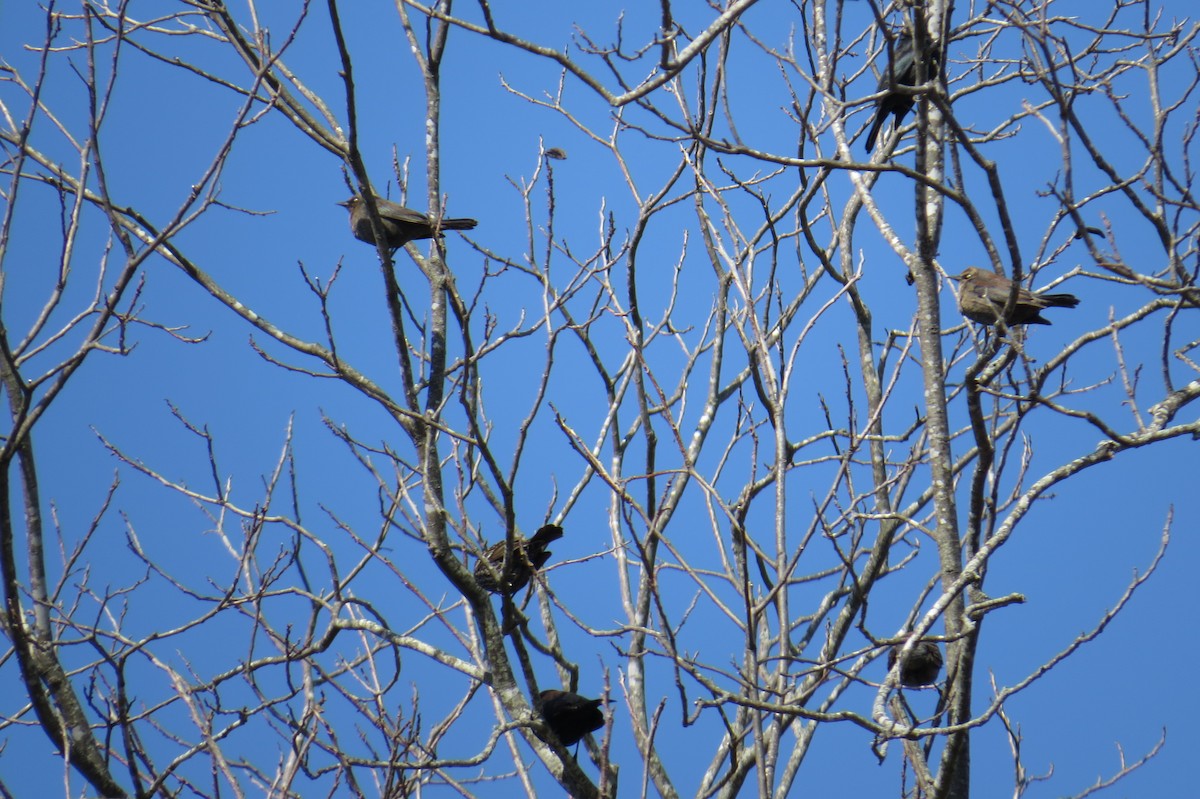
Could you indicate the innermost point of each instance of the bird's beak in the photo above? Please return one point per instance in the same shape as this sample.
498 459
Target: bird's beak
345 203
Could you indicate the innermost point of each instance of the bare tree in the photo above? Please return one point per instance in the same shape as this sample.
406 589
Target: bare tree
684 334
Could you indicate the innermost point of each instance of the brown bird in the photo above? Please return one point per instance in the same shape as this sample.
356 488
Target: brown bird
570 716
921 666
526 558
401 224
982 295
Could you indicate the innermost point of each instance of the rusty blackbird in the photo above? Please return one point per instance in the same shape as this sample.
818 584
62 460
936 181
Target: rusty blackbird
570 716
401 224
982 295
920 667
900 71
526 558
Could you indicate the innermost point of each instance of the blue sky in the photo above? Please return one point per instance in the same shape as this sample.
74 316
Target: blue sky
1071 559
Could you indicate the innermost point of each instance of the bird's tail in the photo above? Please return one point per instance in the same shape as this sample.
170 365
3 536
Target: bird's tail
551 532
462 223
1060 300
876 124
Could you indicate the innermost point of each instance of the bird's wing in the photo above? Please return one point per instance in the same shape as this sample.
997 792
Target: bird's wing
905 69
398 213
995 294
902 65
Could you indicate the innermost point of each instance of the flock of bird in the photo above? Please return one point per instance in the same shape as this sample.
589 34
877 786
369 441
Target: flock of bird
505 569
984 296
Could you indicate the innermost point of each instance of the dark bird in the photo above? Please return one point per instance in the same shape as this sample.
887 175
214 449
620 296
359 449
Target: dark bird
900 71
570 716
983 294
921 666
401 224
526 558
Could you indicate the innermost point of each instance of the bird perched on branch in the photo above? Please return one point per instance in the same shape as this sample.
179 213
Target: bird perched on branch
570 716
920 667
400 225
526 558
901 71
983 295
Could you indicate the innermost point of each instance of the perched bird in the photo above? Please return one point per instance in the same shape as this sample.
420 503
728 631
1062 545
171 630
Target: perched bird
982 295
526 558
401 224
570 716
900 71
921 666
